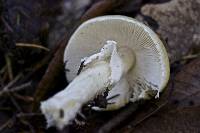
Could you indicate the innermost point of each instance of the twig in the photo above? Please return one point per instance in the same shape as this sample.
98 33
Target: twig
80 68
2 127
32 46
112 97
15 103
5 89
192 56
7 25
28 124
5 77
21 87
20 10
23 98
28 114
3 69
123 115
11 83
14 89
9 67
39 66
150 114
22 118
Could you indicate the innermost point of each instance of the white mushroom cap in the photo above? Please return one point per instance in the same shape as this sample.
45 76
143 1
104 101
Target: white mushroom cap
151 70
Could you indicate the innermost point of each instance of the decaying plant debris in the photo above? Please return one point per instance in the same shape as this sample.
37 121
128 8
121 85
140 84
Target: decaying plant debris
30 73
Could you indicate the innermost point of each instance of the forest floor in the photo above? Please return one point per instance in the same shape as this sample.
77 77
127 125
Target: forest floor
34 33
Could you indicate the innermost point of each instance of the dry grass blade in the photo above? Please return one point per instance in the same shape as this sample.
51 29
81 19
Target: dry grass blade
32 46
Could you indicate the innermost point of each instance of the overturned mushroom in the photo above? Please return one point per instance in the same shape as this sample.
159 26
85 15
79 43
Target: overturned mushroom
132 64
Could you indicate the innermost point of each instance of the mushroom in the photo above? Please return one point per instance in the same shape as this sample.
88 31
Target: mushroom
132 64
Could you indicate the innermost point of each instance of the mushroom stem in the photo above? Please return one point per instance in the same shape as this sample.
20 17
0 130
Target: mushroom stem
82 89
106 69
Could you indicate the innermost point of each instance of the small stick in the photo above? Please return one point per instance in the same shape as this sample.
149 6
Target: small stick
12 82
18 88
192 56
150 114
26 99
7 25
21 87
112 97
15 103
28 124
28 114
3 69
9 67
5 124
5 77
82 115
80 68
123 115
5 89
